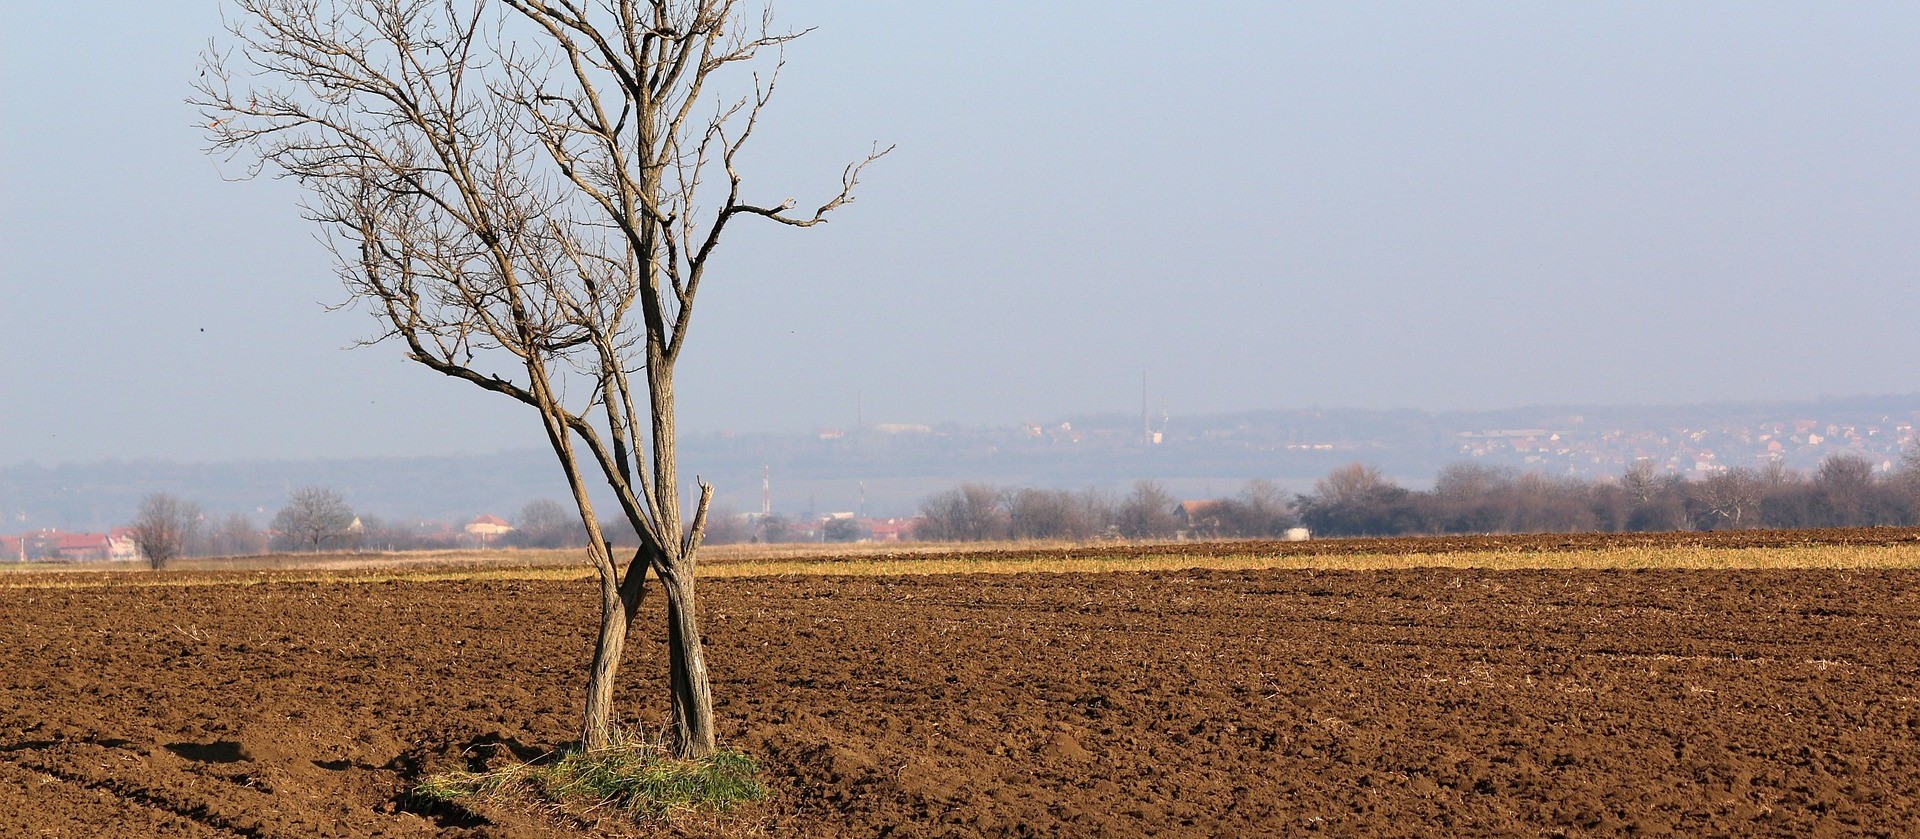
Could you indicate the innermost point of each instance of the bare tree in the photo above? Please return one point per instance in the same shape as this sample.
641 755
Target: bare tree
1359 500
164 527
1732 497
971 512
1146 513
1643 480
314 518
1260 510
1776 474
726 526
528 195
1043 514
235 536
1906 477
546 524
1659 498
1851 495
1057 514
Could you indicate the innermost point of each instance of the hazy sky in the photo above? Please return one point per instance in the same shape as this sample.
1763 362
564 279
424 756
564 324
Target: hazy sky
1259 204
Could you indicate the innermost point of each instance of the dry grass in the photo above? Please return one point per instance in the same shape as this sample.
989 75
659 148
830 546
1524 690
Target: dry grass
950 559
1830 556
715 554
639 779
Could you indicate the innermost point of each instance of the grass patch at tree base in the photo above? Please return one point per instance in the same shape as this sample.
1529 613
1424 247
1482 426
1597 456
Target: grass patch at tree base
640 779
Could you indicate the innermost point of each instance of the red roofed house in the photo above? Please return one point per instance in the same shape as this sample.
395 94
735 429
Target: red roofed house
82 547
890 530
1198 518
488 528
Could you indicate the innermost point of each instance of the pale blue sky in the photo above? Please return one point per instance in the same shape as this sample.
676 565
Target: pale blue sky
1259 204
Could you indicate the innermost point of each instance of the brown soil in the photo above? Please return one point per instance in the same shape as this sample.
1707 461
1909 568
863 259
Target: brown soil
1405 703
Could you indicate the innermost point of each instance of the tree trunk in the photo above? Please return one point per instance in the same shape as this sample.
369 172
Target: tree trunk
619 601
691 688
596 731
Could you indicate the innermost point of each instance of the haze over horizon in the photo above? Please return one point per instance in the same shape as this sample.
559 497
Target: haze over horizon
1346 205
1103 418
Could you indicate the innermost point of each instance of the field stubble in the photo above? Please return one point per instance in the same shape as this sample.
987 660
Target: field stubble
1861 548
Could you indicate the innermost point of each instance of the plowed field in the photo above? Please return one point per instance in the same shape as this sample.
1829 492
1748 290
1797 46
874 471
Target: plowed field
1177 703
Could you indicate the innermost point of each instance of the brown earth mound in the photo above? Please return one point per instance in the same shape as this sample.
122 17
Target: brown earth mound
1407 703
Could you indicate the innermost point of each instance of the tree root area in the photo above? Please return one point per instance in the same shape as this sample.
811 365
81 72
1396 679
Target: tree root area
1197 703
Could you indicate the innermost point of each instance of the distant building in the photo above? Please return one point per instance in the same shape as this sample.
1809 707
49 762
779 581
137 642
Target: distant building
82 547
487 528
890 530
121 546
1197 518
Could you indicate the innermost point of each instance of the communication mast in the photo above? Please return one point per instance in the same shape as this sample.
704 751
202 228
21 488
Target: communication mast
1146 419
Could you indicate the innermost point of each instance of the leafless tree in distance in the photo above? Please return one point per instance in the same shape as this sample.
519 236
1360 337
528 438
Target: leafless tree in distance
544 523
164 527
970 512
1146 513
1055 514
314 518
1643 480
1732 496
1906 475
528 195
235 536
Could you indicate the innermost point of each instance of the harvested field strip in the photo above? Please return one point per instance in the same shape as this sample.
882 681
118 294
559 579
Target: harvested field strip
1905 555
1839 556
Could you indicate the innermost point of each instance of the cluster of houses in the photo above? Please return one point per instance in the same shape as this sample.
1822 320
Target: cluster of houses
832 527
51 545
118 545
1699 450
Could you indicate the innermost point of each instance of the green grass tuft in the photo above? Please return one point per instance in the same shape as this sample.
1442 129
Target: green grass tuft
640 779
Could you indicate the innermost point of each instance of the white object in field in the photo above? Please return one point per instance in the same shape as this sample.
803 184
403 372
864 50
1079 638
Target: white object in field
1298 534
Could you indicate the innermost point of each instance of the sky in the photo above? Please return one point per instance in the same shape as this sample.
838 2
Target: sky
1257 205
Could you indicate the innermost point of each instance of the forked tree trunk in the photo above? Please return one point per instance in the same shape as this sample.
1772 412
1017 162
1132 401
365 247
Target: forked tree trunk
617 607
692 689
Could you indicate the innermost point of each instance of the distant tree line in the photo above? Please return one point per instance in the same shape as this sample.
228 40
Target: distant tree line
1359 500
318 519
1354 500
1469 498
975 512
